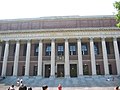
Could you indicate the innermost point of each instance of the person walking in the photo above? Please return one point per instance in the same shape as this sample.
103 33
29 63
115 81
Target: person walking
59 87
45 87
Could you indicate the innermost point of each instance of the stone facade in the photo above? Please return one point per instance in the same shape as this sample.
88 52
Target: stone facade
60 46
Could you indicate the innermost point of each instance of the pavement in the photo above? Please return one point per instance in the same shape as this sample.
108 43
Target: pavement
3 87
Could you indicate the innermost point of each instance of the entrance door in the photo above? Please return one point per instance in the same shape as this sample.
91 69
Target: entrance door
35 68
73 70
98 70
85 69
60 70
110 69
47 70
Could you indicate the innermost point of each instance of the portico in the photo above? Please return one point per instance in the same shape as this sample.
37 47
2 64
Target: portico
60 52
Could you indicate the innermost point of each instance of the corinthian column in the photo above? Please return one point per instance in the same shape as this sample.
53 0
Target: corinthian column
53 58
16 58
0 51
92 52
27 63
105 58
80 63
67 63
117 57
40 59
5 58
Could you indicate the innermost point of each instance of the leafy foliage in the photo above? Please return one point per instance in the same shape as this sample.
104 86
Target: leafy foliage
117 16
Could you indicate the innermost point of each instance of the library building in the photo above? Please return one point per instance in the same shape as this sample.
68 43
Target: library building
60 46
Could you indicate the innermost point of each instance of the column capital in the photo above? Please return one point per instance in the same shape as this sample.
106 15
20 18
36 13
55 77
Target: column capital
115 38
40 40
91 38
79 38
29 40
17 40
66 39
103 38
6 40
52 39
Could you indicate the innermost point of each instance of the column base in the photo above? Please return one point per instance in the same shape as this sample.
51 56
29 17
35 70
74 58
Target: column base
25 77
79 76
67 76
52 76
39 77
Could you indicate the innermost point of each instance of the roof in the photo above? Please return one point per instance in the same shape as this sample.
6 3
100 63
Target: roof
60 18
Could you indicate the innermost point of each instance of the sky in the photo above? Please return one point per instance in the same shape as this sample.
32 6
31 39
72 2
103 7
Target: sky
14 9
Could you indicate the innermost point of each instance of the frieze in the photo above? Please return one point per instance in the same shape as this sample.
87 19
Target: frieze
59 34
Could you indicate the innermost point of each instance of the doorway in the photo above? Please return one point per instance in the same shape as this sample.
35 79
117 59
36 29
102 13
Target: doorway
73 70
60 70
47 70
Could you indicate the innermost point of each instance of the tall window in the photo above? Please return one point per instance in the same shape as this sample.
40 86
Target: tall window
119 46
96 48
108 47
72 48
84 49
48 50
23 70
3 48
14 47
24 50
36 46
35 68
60 49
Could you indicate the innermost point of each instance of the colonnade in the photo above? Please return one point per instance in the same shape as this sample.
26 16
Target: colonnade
67 62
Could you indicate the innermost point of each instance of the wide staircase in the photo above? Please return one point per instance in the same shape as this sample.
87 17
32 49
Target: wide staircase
83 81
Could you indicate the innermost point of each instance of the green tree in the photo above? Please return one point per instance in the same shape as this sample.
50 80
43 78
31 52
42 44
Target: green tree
117 16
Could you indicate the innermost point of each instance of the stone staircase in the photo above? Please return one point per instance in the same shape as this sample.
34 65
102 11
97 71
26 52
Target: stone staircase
83 81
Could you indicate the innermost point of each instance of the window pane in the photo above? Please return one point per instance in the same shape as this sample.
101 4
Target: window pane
72 48
108 47
60 49
48 49
96 48
36 46
84 49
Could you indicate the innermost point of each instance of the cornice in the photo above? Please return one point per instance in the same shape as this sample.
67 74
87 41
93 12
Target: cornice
60 30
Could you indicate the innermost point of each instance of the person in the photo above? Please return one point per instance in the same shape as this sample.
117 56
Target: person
11 88
59 87
21 82
18 82
44 87
29 88
117 88
23 87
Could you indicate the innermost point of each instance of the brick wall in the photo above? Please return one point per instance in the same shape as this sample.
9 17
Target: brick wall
52 24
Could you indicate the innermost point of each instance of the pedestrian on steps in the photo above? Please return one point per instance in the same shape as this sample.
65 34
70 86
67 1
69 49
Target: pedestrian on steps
59 87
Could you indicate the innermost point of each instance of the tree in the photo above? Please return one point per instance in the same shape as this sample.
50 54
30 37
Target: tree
117 16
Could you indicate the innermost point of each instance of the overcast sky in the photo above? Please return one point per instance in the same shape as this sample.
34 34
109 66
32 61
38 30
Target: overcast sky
12 9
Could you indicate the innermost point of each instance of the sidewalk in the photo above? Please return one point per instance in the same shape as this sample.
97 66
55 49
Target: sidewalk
2 87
